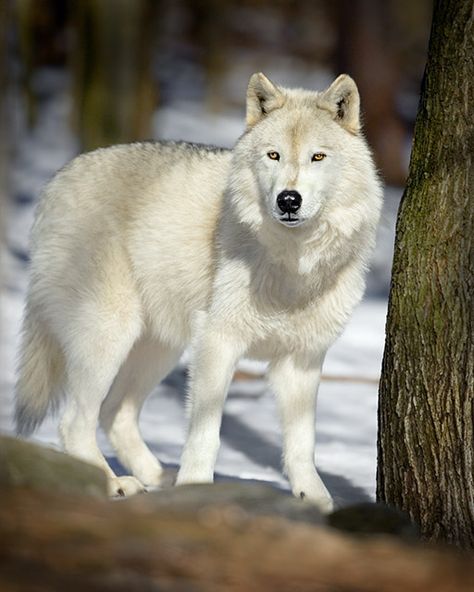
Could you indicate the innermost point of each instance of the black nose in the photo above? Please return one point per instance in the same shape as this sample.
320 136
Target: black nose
289 202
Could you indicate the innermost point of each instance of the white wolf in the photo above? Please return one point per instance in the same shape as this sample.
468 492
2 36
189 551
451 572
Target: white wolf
138 250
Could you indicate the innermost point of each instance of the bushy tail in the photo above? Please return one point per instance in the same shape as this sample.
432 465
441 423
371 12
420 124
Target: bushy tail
40 373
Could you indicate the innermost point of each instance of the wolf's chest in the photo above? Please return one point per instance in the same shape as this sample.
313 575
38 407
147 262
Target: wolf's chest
303 326
281 332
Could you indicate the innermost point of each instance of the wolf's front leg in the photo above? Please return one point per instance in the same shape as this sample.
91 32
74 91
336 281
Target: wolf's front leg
211 373
295 382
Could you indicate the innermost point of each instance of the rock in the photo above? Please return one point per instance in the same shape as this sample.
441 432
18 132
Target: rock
368 518
24 464
244 499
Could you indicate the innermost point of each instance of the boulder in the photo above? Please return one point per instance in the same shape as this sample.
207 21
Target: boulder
25 464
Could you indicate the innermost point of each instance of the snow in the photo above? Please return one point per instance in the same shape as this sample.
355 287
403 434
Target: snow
251 438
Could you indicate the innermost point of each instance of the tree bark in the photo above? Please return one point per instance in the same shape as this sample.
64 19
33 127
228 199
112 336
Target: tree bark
425 442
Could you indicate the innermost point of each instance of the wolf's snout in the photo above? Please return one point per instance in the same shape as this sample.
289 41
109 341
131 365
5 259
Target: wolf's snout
289 202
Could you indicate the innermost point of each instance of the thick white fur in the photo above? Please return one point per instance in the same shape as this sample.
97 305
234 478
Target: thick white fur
138 250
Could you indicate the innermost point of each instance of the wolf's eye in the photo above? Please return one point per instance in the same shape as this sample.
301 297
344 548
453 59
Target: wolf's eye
272 155
318 156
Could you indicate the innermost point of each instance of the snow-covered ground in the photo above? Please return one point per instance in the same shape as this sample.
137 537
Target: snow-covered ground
251 449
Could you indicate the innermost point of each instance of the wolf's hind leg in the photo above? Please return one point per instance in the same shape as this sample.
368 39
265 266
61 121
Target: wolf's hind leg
147 364
93 357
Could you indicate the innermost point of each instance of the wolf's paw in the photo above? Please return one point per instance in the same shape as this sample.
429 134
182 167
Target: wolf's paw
124 486
323 502
194 475
312 489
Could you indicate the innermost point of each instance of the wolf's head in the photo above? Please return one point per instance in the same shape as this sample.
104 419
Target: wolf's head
302 152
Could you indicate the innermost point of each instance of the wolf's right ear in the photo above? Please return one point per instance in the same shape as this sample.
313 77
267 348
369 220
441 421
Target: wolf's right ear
262 97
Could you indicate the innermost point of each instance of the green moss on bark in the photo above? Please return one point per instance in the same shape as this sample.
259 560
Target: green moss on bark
426 392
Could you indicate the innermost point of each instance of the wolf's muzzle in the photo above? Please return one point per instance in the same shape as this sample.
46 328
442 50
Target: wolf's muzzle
289 201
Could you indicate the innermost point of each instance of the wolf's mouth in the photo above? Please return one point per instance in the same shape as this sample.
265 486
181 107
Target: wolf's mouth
289 220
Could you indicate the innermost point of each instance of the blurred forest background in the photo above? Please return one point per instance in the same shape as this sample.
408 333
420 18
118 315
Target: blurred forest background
100 72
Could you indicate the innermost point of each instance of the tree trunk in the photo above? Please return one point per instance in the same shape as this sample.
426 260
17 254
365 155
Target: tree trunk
426 392
113 88
364 52
5 135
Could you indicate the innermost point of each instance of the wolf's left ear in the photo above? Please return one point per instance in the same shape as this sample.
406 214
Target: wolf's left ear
344 101
262 97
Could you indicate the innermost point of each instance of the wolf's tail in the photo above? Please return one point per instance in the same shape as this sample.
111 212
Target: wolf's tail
40 373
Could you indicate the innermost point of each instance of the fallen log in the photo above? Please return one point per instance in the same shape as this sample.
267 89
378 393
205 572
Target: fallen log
51 541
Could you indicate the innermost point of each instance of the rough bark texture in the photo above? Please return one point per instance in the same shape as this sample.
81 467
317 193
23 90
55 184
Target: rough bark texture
57 542
426 392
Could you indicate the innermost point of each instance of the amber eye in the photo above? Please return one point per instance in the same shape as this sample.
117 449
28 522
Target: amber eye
273 155
318 156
